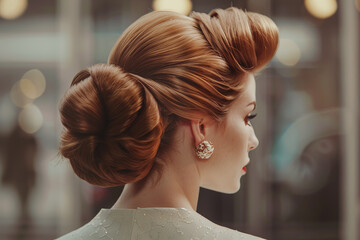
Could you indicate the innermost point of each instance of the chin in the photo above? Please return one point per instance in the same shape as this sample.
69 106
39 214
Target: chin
232 191
229 189
236 188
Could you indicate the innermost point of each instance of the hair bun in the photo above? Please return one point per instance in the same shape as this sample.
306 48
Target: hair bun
112 126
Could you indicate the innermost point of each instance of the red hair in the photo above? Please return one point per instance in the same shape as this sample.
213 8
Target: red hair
119 116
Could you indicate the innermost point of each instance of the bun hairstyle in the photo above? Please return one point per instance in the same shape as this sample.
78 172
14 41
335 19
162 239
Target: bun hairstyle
165 67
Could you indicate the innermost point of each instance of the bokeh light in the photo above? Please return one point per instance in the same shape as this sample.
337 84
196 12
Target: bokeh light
11 9
180 6
17 96
30 118
288 52
321 8
33 84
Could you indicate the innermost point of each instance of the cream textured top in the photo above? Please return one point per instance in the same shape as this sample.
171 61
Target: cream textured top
153 223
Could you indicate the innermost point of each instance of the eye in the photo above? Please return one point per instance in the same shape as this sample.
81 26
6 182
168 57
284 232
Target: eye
249 117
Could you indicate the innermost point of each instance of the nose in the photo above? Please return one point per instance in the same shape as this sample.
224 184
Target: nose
254 142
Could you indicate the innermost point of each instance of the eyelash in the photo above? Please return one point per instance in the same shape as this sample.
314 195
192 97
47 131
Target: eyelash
249 117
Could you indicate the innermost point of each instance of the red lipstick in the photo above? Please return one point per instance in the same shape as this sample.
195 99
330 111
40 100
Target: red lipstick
244 168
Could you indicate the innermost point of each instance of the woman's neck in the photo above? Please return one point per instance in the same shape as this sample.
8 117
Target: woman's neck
177 187
179 182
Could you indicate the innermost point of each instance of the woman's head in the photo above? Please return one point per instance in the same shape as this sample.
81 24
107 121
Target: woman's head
165 67
233 139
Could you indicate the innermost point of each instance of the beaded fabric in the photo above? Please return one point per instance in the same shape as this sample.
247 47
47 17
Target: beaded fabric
153 223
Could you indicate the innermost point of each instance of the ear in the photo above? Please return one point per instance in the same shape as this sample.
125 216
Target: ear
197 129
200 129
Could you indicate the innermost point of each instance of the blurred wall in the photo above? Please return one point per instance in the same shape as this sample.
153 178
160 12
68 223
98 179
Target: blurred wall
302 181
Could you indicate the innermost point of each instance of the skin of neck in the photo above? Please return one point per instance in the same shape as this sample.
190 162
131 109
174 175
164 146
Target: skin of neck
179 183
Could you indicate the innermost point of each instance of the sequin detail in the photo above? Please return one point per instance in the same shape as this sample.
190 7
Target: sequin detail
153 223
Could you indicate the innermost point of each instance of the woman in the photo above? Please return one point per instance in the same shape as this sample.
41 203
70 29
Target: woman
168 114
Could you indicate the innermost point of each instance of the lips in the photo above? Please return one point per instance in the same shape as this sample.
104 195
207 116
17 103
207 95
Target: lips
244 168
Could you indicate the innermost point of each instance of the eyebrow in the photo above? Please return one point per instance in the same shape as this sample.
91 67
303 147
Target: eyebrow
254 103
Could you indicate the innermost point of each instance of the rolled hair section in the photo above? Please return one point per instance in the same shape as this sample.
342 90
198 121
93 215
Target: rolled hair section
112 126
245 40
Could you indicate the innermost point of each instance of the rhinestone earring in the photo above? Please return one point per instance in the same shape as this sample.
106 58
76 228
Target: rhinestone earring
204 150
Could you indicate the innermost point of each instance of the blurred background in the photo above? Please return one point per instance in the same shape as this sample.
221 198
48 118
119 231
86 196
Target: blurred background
303 180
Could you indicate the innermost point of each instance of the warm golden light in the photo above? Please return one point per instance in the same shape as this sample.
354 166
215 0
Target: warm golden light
321 8
28 88
11 9
33 84
30 118
17 97
180 6
288 52
357 4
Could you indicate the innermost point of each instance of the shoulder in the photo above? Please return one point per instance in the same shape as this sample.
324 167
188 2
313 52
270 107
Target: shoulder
230 234
89 231
215 231
104 225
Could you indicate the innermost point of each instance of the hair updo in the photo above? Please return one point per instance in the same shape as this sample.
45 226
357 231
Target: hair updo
165 67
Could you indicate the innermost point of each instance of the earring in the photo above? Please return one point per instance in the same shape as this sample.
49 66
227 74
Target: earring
204 150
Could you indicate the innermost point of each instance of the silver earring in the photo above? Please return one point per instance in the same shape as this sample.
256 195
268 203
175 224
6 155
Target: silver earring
204 150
